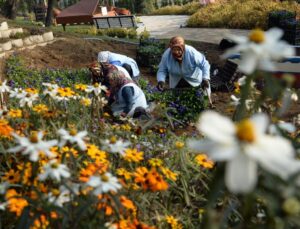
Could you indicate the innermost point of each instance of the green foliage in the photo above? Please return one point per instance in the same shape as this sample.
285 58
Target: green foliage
239 14
20 76
117 32
149 54
187 9
145 34
19 35
132 34
184 104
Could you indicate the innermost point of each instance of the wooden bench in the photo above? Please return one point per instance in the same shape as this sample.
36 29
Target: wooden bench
121 21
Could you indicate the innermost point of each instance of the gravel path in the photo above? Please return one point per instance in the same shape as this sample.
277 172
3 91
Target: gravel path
168 26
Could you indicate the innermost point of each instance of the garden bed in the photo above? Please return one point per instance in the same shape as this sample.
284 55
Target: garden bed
61 55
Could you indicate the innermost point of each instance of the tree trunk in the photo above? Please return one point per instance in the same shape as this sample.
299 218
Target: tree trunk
49 16
11 9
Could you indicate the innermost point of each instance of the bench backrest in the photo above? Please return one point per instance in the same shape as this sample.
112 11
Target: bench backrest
126 21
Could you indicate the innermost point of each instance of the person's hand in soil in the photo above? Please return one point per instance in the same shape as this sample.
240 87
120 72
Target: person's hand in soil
205 84
160 86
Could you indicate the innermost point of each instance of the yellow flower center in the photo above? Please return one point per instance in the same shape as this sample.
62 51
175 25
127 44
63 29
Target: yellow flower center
55 192
34 138
257 36
104 178
96 85
54 166
245 131
73 132
113 140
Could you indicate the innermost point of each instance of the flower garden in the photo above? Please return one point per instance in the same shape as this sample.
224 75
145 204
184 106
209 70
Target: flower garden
66 163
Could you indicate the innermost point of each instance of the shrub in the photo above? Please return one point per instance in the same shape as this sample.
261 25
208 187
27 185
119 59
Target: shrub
116 32
121 32
189 9
132 34
101 32
92 31
242 14
145 34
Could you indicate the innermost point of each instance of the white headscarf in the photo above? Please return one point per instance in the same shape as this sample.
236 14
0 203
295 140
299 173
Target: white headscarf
103 56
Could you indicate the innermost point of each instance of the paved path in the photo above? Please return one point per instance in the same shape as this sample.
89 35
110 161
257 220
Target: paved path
169 26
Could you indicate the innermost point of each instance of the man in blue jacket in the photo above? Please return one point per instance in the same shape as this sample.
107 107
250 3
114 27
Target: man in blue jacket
185 66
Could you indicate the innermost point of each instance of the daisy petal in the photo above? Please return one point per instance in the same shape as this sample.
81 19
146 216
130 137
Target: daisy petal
241 174
216 127
261 122
274 154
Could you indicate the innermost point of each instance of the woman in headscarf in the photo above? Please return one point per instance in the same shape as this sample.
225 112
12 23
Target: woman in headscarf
185 66
125 95
120 60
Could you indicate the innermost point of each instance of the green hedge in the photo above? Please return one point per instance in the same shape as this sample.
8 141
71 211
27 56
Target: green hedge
239 14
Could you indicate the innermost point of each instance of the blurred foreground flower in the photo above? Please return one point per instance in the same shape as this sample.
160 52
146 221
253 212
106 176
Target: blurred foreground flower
33 145
259 49
244 145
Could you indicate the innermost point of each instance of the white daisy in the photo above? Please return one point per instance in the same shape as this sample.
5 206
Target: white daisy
58 199
3 87
28 99
73 137
33 145
259 49
104 183
54 171
115 146
244 145
17 93
97 88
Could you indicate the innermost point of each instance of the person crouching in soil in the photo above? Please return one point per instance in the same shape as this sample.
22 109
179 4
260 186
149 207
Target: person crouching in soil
126 98
185 66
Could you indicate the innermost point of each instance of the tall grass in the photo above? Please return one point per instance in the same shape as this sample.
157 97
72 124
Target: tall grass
239 14
187 9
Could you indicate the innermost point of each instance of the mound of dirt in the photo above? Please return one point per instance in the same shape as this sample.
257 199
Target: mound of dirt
72 53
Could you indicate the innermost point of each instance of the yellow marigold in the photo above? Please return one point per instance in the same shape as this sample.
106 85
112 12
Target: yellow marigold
69 150
106 115
155 182
96 154
5 129
179 144
12 176
123 172
169 174
49 114
85 102
32 90
132 155
40 223
126 127
40 108
65 92
237 88
173 222
80 87
127 203
16 203
203 160
140 175
15 113
155 162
